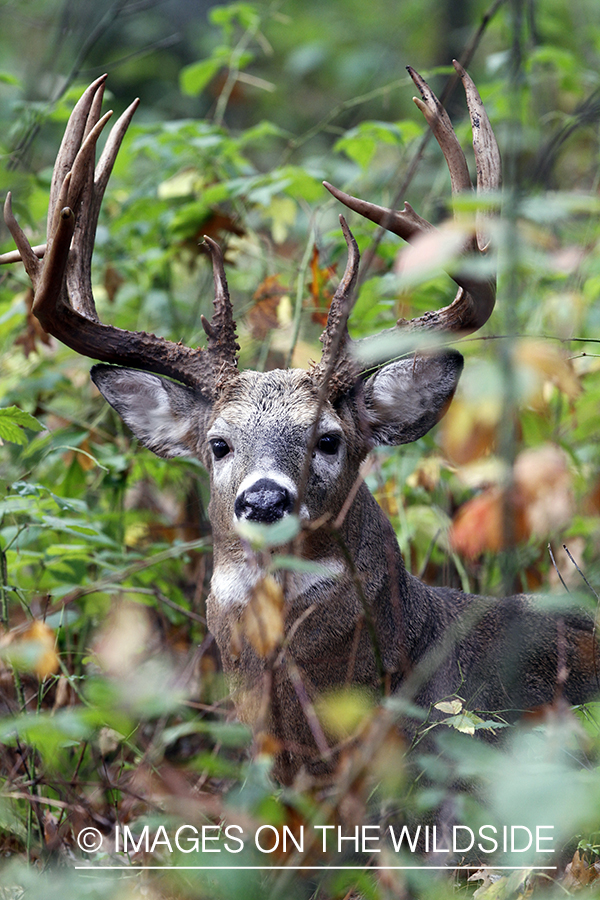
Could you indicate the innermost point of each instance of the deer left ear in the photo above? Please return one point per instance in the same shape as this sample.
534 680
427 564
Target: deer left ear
165 416
405 399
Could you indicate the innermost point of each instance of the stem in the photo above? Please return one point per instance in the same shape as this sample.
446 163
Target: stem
3 591
300 294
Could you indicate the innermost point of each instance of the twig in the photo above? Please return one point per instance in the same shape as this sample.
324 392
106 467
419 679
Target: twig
568 552
307 707
562 581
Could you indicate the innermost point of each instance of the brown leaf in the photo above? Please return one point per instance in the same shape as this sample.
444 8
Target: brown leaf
469 429
112 282
33 332
543 483
549 365
51 835
262 315
63 693
214 225
320 293
83 456
578 873
432 250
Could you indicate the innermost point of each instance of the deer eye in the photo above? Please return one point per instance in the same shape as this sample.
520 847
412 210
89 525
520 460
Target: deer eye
220 448
329 444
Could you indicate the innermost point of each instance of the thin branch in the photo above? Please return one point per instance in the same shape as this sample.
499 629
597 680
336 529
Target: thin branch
556 569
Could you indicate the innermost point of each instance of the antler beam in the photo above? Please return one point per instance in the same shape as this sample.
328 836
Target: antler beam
475 298
63 297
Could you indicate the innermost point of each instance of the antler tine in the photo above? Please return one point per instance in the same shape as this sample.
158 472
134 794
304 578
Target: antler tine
475 299
220 330
33 265
406 223
336 365
90 193
439 121
485 146
14 256
72 140
63 298
85 114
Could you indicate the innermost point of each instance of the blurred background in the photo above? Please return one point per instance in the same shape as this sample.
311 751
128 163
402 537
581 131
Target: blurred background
112 704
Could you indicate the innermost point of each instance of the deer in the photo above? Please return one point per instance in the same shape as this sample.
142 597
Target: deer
290 443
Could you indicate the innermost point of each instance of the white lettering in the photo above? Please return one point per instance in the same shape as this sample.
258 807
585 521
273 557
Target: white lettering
288 833
405 833
144 839
210 837
161 837
275 845
455 829
513 831
485 837
195 844
345 838
234 838
437 849
324 829
539 838
368 837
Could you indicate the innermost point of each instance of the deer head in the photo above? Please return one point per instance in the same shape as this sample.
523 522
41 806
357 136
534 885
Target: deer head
397 404
278 442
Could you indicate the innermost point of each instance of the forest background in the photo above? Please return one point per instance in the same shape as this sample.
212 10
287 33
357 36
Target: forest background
112 706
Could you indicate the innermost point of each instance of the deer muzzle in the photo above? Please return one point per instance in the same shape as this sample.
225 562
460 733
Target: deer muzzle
264 501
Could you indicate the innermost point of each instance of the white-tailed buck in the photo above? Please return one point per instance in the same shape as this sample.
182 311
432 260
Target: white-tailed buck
285 442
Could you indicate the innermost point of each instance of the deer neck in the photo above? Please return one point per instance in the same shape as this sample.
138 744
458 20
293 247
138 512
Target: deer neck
359 582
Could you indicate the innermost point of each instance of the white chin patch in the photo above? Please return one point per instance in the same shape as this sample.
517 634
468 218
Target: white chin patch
232 584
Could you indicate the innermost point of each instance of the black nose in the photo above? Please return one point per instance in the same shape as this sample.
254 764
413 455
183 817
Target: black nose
266 501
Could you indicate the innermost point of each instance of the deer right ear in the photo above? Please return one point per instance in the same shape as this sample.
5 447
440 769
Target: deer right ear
405 399
165 416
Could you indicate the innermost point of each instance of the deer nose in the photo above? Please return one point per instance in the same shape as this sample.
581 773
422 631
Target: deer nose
264 501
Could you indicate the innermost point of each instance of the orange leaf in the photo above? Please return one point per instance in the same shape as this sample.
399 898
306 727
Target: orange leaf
488 522
320 294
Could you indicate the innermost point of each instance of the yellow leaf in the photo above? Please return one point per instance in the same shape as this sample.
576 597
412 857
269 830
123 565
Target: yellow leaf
469 428
33 648
548 363
262 621
449 706
342 711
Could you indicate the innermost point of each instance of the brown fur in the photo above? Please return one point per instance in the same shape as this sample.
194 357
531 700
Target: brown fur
368 622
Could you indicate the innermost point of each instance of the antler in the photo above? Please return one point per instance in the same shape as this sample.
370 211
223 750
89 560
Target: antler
475 298
63 298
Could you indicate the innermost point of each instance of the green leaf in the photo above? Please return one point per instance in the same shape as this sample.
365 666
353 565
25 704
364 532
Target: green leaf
194 78
361 143
9 78
12 420
263 536
226 16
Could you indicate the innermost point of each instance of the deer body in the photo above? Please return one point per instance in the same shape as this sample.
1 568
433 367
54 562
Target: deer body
292 442
361 619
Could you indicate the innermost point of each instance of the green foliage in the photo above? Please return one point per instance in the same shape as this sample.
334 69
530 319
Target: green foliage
12 421
114 710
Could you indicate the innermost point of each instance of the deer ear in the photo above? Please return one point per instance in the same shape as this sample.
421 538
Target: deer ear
166 417
406 398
